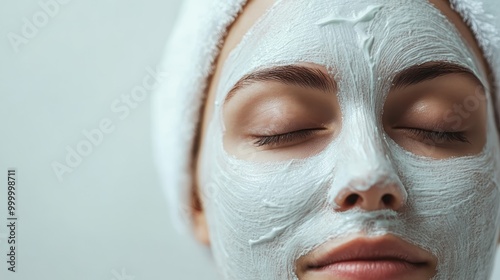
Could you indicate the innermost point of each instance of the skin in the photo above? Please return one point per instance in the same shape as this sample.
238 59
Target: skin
401 116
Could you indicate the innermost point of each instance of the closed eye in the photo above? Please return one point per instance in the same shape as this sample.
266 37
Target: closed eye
284 138
438 137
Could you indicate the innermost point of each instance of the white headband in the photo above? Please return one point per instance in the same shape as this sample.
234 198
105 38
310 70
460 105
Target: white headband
190 56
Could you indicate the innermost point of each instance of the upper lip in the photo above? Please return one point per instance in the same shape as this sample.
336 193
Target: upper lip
386 247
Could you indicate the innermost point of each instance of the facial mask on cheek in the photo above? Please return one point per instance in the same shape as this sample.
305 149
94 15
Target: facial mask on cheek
263 216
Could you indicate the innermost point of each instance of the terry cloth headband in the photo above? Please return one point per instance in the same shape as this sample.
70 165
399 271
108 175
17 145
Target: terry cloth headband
189 60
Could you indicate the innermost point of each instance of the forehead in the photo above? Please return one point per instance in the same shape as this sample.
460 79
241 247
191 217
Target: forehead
347 36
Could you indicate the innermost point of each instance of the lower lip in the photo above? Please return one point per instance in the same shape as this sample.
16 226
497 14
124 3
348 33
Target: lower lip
369 269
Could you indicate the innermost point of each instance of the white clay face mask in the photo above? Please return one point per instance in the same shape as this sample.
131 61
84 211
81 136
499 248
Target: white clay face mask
263 216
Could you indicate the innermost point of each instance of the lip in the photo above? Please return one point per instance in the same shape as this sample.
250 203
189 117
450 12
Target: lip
385 257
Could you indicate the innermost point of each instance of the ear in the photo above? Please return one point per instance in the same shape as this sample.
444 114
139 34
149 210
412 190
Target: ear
200 227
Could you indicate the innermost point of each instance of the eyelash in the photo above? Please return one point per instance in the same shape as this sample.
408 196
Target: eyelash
282 138
439 136
435 136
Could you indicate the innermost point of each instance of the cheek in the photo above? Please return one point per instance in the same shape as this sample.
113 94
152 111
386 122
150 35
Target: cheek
453 210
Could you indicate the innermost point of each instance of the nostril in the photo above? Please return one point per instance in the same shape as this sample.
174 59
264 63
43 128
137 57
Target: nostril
387 199
377 197
352 199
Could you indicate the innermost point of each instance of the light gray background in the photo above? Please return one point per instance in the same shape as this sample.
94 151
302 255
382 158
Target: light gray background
107 219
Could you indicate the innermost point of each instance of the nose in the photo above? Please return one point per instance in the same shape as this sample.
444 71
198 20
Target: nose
376 197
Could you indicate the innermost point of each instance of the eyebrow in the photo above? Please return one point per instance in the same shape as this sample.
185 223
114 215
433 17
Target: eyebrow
419 73
297 75
308 77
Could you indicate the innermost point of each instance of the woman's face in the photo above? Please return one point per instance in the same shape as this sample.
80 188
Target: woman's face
349 140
